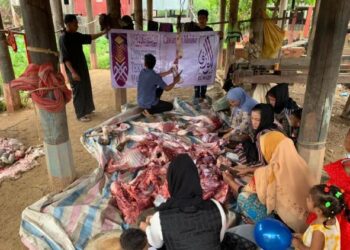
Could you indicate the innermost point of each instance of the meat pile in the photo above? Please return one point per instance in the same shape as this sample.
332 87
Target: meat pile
149 157
11 150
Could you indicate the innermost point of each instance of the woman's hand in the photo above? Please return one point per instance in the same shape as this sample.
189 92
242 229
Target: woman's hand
227 177
242 171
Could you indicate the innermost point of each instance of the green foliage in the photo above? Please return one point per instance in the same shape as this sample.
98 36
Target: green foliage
102 51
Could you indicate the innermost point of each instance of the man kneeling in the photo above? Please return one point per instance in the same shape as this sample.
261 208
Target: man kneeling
150 87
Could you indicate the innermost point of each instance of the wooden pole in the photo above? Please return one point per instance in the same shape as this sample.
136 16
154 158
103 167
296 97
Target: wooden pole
57 17
39 29
149 10
333 20
313 28
257 25
138 14
12 98
91 30
283 6
233 18
222 30
113 8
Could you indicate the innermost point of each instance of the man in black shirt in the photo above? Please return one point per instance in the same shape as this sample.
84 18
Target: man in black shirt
72 55
200 91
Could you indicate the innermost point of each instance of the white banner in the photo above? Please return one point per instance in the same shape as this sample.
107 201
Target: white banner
196 52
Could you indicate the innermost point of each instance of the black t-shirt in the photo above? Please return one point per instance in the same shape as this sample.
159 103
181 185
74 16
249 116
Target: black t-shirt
71 47
197 28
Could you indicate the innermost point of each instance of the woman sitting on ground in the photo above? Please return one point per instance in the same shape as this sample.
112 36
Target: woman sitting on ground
185 220
280 187
283 105
262 121
241 104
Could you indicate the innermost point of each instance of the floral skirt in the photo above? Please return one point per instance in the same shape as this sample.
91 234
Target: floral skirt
249 206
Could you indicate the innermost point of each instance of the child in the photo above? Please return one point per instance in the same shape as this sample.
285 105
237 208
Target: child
295 121
133 239
150 87
339 175
326 202
200 91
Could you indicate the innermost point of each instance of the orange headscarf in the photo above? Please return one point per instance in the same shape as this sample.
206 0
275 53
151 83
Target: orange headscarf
269 143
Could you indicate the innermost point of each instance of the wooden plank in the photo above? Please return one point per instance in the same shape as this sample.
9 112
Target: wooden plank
296 78
138 14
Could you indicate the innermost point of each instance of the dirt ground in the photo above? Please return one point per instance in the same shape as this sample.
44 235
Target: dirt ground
24 125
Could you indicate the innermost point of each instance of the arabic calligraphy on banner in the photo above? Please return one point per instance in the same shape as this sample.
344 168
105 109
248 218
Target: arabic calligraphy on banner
196 58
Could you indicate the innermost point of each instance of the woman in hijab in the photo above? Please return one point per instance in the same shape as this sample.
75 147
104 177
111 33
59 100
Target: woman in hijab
282 104
262 121
280 187
185 220
241 105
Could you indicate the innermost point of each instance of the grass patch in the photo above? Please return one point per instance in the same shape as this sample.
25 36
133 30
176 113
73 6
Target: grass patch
102 52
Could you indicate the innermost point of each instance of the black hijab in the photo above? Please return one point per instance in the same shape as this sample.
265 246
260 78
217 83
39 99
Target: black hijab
267 117
184 186
281 93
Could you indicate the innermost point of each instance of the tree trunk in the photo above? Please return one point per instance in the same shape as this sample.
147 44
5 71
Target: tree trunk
233 18
333 20
222 30
257 25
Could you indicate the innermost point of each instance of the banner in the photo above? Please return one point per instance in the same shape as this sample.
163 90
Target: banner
193 53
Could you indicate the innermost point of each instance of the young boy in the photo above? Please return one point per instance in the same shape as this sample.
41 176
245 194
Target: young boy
295 121
200 91
133 239
150 87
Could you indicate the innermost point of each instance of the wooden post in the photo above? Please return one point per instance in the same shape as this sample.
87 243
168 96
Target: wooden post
57 16
222 30
257 25
313 28
149 10
12 98
233 18
91 30
283 6
113 8
138 14
346 111
333 20
39 29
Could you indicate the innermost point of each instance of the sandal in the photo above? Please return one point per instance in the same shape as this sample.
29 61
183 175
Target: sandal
84 119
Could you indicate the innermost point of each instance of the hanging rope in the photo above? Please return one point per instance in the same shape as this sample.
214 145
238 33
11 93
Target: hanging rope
46 87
